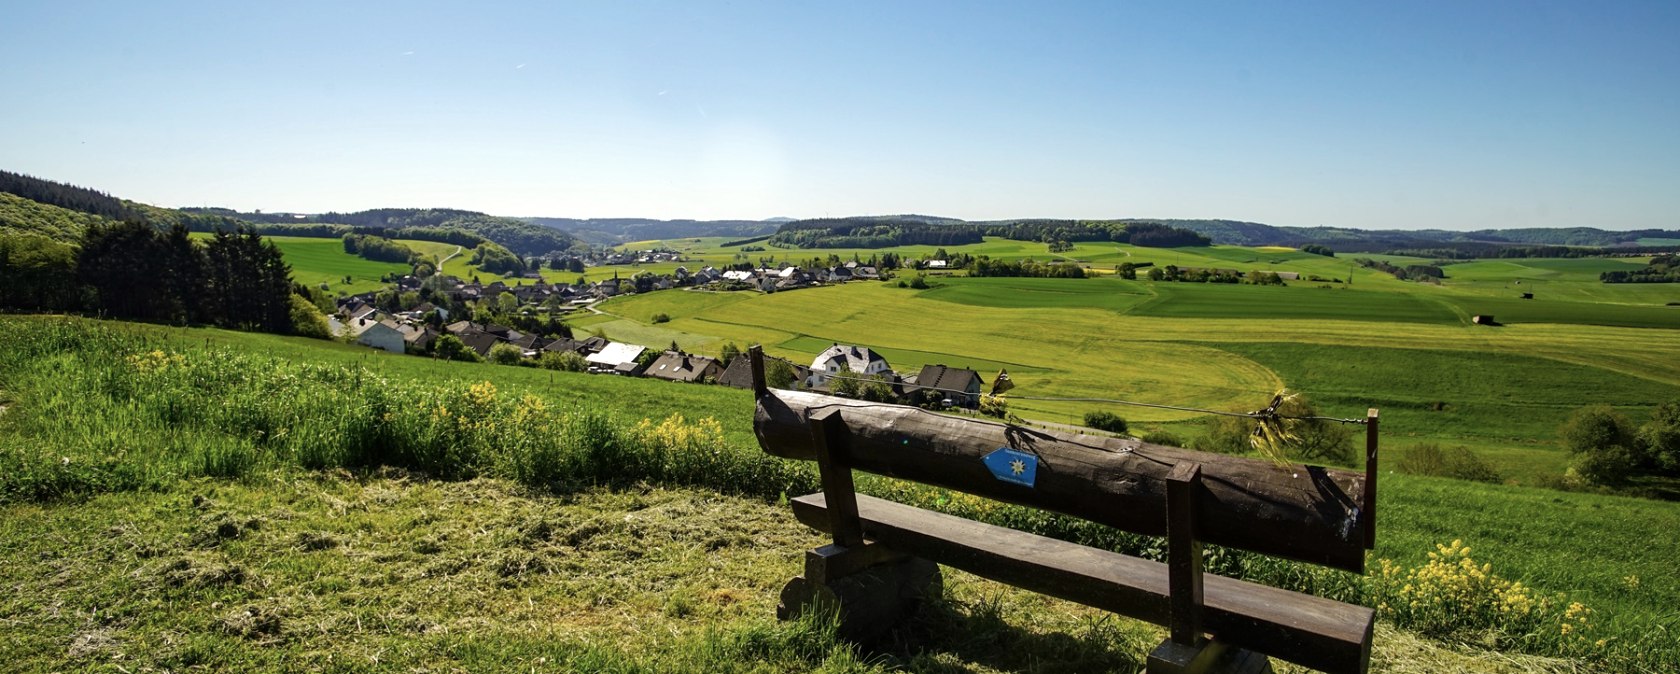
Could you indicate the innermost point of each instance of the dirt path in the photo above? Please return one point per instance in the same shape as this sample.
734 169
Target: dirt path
451 256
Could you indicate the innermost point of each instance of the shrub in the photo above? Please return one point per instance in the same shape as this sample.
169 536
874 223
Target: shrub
1603 445
1453 596
564 361
1160 437
450 347
661 318
1226 435
919 282
1105 421
506 354
307 320
1661 437
1456 462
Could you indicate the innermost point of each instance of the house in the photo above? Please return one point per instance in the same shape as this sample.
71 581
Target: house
739 372
857 359
935 264
418 337
1288 275
961 386
1483 319
564 345
614 355
679 366
384 334
479 341
592 344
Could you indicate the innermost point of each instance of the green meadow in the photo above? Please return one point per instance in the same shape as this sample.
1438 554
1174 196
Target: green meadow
1409 348
317 261
177 498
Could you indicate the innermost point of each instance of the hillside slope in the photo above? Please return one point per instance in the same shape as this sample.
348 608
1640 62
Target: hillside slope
23 216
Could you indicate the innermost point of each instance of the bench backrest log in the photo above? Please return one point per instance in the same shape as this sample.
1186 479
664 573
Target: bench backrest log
1305 513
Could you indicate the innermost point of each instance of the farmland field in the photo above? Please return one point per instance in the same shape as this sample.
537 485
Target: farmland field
1406 347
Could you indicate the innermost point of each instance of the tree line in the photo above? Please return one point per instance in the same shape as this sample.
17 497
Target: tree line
130 270
1415 272
379 249
888 232
65 196
1662 269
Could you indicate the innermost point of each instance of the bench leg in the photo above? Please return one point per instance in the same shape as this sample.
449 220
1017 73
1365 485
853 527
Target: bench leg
871 588
1211 657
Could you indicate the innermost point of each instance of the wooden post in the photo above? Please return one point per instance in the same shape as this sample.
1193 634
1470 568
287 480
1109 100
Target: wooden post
1371 479
756 355
1184 554
828 434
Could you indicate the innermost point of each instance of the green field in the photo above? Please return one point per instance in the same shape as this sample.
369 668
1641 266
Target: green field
204 537
323 261
1200 345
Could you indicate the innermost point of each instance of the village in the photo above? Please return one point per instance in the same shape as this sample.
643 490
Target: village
519 324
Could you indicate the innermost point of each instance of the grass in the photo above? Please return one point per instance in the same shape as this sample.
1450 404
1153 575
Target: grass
318 261
627 552
1077 349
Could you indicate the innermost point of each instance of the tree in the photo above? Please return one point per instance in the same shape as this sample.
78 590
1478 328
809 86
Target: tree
779 373
124 265
729 353
450 347
1661 437
506 354
37 274
1602 442
1105 421
845 383
507 303
1155 274
565 361
307 319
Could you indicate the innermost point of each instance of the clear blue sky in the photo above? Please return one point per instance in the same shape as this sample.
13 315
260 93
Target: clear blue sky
1458 115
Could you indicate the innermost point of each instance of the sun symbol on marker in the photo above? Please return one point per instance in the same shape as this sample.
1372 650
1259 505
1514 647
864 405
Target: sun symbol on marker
1017 467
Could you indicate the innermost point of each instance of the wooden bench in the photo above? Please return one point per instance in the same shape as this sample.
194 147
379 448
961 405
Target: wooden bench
882 562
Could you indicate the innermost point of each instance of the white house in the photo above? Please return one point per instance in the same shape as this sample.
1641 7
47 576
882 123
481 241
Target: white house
385 335
614 354
858 359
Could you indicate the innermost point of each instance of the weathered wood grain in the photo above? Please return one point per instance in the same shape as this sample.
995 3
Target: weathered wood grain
1306 513
1303 629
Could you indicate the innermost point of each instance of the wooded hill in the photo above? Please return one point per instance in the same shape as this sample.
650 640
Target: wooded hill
886 231
614 231
30 205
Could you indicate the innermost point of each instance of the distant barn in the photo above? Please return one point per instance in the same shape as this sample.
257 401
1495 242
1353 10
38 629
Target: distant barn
1483 319
1528 296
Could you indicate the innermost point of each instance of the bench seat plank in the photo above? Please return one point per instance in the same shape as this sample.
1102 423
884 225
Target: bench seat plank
1310 631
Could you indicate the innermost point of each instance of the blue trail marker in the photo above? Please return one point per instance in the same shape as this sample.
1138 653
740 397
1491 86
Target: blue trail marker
1014 466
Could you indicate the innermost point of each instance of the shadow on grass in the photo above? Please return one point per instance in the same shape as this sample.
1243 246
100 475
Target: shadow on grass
954 636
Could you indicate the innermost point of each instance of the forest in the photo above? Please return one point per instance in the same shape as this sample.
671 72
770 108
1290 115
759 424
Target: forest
131 270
